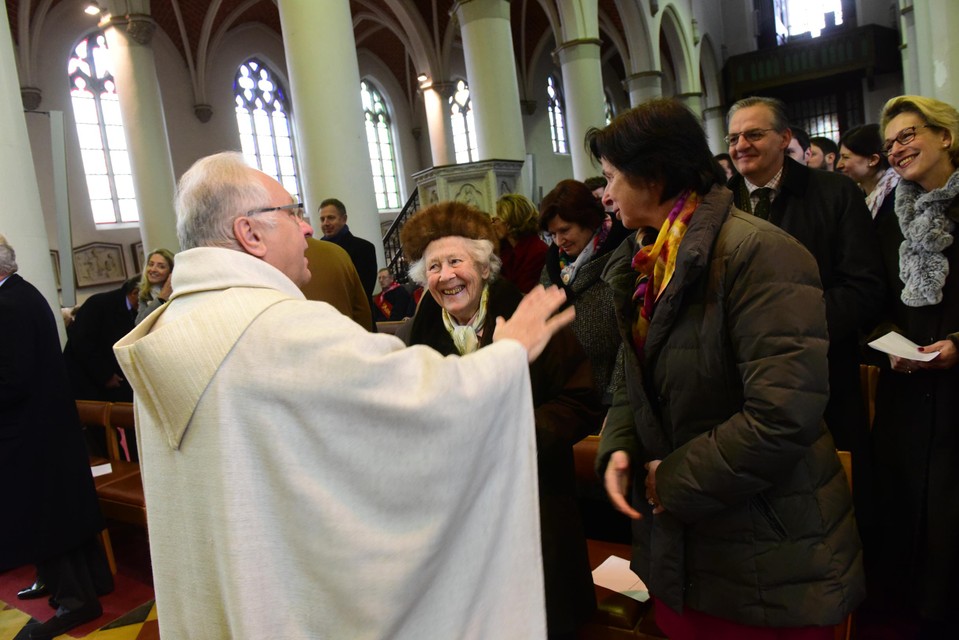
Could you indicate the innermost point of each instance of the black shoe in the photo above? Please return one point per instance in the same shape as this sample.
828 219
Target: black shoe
35 590
53 602
60 624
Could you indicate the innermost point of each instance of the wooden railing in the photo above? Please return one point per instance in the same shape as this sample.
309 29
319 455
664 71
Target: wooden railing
395 260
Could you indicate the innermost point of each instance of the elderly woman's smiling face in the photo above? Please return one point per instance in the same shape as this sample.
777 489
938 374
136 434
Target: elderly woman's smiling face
453 278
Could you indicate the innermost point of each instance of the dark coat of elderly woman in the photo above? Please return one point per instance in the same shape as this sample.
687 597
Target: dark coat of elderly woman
451 245
916 432
742 514
584 237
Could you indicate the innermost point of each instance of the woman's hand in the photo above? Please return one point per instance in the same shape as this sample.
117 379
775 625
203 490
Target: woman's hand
616 480
651 495
167 289
947 358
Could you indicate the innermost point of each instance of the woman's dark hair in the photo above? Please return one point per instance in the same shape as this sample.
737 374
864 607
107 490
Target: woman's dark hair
865 141
572 201
659 141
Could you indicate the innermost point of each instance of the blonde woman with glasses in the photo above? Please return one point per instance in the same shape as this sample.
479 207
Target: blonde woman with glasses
916 432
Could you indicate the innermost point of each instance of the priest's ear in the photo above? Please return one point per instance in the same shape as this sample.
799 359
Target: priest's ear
249 235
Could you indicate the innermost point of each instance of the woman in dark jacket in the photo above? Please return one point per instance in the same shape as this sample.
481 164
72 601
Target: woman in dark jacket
742 515
916 433
451 245
584 238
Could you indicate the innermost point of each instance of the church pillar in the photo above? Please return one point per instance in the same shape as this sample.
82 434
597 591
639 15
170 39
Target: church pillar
491 73
583 90
715 125
21 218
331 145
643 86
436 98
931 71
129 30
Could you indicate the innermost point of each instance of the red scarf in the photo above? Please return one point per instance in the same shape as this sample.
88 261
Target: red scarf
380 300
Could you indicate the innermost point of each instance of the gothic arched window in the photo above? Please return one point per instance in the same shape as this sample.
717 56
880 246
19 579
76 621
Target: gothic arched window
461 117
608 109
382 154
557 116
266 134
103 144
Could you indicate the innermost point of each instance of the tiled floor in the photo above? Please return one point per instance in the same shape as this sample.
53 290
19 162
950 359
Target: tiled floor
139 624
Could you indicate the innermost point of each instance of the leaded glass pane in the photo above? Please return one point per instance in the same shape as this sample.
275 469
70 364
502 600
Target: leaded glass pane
103 211
99 187
89 136
128 210
94 162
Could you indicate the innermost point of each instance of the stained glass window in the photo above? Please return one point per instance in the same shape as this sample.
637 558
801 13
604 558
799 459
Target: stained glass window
262 115
103 145
382 155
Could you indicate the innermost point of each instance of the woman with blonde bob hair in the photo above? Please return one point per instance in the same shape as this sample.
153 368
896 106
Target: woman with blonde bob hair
522 251
916 439
451 245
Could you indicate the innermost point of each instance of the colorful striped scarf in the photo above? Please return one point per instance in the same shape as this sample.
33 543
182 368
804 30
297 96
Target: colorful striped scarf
657 262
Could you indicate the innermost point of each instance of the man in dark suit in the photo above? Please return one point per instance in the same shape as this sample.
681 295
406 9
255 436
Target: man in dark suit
102 320
827 213
362 253
51 514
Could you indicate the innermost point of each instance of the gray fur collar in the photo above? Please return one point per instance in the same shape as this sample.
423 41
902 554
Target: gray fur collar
927 232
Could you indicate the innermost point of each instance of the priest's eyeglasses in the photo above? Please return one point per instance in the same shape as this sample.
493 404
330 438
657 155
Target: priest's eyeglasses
905 136
296 211
753 135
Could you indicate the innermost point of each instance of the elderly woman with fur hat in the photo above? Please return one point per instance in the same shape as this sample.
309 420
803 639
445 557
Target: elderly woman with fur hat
451 247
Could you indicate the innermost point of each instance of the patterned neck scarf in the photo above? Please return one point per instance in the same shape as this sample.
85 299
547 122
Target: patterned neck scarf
568 268
656 263
465 337
927 232
877 196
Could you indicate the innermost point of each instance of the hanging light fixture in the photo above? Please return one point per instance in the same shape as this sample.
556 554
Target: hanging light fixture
92 8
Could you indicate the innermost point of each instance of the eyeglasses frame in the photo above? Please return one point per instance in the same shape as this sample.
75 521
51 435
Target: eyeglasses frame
909 133
291 209
730 142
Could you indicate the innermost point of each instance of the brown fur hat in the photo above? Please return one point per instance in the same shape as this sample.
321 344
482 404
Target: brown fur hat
441 220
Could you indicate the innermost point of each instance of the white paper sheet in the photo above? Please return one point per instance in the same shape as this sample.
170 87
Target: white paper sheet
101 469
615 575
898 345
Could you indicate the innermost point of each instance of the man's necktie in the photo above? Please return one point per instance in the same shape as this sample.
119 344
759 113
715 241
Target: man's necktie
762 206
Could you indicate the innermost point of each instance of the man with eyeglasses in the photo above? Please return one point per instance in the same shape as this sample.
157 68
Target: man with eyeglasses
827 213
307 479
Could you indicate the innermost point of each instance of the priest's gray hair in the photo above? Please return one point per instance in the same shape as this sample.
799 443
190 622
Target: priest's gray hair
8 258
213 193
481 252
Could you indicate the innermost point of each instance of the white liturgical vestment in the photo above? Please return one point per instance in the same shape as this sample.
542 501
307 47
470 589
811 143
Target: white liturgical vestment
307 479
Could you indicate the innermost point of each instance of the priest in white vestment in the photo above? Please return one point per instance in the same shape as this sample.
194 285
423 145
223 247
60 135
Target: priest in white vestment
307 479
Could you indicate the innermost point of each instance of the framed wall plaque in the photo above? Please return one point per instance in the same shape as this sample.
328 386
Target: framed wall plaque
99 263
136 249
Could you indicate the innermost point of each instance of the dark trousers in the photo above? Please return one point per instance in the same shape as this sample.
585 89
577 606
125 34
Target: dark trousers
77 577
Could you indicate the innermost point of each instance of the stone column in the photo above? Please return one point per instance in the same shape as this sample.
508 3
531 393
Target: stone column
436 99
331 144
714 122
21 218
583 91
491 73
935 48
129 30
643 86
